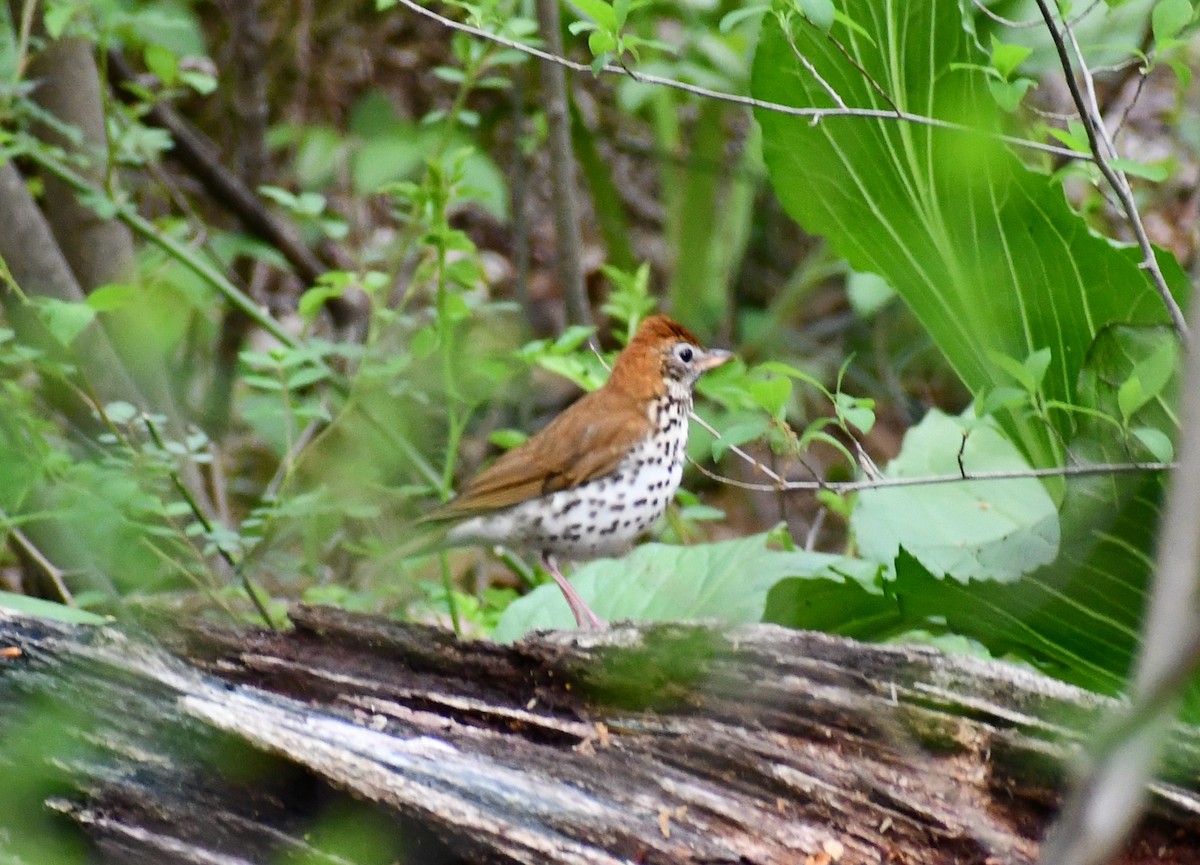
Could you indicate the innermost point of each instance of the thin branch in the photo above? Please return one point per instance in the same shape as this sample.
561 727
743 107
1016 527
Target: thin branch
199 156
1099 142
562 171
815 114
779 484
842 487
51 571
812 70
1026 25
207 524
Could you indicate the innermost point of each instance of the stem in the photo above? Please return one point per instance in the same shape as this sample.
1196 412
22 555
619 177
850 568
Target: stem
204 521
448 585
562 170
814 113
1099 142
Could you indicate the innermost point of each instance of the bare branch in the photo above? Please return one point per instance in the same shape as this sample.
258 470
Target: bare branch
878 483
816 114
1102 151
29 550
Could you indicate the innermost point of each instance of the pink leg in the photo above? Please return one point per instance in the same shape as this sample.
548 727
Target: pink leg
584 617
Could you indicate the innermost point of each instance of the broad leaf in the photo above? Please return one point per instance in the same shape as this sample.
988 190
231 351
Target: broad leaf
726 582
986 251
984 530
990 257
28 606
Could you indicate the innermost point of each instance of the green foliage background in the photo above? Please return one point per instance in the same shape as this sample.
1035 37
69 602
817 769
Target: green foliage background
255 455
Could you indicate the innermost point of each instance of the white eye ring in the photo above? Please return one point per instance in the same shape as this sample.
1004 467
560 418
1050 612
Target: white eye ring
685 352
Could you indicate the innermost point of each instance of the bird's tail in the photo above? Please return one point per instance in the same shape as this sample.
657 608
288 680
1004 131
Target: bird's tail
427 537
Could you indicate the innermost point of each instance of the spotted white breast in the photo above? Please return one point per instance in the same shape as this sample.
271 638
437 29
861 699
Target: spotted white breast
605 516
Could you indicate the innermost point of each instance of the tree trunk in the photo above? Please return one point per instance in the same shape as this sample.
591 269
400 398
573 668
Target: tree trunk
355 739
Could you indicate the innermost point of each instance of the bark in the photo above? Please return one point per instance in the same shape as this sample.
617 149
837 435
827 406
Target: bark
649 744
562 169
38 267
68 88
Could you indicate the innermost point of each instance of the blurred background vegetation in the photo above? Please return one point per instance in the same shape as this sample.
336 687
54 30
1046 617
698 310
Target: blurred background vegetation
277 274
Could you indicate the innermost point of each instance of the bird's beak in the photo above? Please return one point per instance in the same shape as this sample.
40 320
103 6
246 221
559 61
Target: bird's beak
713 358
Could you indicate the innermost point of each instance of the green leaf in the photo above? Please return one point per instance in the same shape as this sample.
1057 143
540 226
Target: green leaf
313 301
599 11
1130 397
732 19
988 530
1009 94
1073 137
600 43
1019 372
1068 629
772 394
819 12
868 293
1130 373
452 74
161 61
57 17
858 412
1169 17
42 609
201 82
989 255
110 297
507 438
64 320
1036 365
1157 442
739 433
997 399
1006 58
424 342
1156 173
121 412
727 581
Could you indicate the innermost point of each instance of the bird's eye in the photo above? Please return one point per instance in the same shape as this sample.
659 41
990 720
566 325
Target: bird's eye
685 353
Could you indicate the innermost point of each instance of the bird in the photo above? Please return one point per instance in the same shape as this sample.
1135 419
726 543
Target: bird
594 479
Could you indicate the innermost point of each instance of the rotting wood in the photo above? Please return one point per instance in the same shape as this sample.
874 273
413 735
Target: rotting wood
648 744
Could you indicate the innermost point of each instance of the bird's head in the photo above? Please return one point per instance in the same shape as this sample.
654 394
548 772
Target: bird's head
663 356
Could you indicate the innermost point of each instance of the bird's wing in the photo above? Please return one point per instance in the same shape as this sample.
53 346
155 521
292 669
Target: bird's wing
586 441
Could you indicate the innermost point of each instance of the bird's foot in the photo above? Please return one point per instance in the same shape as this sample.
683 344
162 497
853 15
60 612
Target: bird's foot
584 617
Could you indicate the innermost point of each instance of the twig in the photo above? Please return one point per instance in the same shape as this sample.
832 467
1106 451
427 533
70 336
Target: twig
50 570
812 70
842 487
198 156
562 170
749 101
1026 25
1102 150
779 482
207 524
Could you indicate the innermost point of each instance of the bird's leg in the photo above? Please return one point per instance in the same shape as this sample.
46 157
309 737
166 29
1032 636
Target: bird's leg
584 617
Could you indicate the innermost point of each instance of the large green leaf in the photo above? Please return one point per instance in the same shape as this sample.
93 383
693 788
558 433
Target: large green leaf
990 257
986 530
985 251
29 606
727 581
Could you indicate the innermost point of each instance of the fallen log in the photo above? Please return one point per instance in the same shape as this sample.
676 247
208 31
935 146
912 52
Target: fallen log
359 739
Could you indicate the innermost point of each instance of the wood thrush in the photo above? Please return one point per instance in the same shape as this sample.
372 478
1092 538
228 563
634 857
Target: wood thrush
599 474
